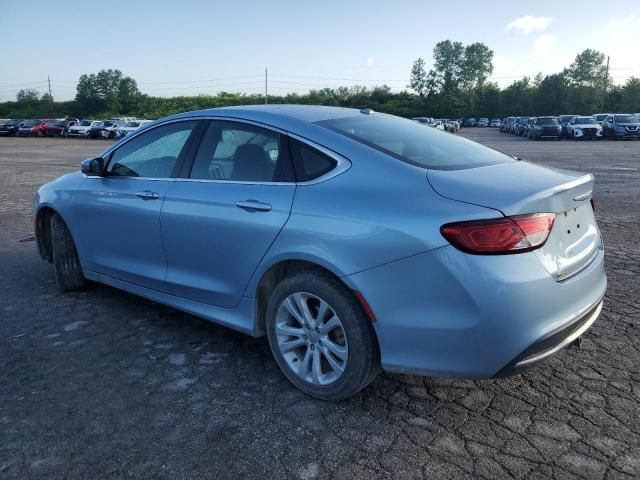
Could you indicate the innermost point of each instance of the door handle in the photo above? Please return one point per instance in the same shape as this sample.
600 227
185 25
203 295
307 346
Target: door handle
254 205
148 195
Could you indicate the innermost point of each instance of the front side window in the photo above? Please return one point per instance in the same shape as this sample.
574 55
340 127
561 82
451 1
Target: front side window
241 153
153 154
412 143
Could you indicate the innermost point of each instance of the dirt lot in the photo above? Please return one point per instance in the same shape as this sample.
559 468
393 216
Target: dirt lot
102 384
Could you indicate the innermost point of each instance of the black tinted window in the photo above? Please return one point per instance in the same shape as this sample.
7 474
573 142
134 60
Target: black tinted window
242 153
413 143
309 163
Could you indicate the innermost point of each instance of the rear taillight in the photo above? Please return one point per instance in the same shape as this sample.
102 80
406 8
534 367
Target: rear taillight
521 233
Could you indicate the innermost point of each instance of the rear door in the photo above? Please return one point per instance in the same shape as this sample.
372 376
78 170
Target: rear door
221 217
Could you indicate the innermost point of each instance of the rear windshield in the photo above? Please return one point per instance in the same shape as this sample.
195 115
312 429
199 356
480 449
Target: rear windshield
413 143
547 121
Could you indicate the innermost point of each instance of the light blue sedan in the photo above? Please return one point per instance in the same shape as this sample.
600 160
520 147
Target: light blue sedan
355 241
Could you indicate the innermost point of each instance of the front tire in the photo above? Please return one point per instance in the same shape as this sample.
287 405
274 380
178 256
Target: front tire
320 337
65 257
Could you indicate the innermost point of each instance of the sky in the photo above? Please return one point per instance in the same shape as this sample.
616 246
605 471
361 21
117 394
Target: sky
191 47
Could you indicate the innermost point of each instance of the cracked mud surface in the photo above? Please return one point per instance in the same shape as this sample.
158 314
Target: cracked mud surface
103 384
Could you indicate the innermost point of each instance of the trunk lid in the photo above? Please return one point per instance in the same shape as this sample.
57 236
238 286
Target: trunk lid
519 188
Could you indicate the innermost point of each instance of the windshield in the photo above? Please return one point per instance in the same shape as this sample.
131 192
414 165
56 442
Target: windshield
31 122
107 124
132 124
547 121
626 119
585 121
600 117
84 123
523 120
410 142
565 118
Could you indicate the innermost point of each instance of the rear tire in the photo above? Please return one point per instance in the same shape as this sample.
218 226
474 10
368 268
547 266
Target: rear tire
355 335
65 257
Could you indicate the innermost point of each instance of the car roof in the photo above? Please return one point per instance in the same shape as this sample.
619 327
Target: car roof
304 113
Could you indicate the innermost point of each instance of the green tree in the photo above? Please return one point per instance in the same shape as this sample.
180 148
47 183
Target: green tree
27 95
477 65
418 81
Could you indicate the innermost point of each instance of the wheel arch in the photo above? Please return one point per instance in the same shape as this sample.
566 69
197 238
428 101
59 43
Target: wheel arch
42 230
276 272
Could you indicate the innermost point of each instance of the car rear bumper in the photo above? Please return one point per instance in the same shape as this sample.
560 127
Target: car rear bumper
447 313
551 343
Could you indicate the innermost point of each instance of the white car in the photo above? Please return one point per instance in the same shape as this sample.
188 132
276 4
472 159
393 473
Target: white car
131 127
584 127
81 129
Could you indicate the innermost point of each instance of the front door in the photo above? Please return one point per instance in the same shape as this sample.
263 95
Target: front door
118 215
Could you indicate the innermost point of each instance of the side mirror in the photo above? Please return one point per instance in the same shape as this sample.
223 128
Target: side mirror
93 166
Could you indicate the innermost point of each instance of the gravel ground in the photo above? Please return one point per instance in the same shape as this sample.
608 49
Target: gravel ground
102 384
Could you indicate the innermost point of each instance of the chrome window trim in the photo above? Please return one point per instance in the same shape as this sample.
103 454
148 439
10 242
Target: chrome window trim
124 177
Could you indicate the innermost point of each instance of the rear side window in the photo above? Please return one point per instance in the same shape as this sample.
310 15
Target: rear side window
239 152
310 163
414 143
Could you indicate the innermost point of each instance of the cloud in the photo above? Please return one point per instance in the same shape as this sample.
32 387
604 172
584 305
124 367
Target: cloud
370 62
529 23
543 44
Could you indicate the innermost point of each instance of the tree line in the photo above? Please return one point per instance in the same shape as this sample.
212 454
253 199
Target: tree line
456 86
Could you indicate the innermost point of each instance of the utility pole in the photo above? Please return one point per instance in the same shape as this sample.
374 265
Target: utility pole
50 97
265 87
606 82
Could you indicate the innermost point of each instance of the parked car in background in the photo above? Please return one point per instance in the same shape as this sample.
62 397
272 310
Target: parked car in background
484 276
51 128
483 122
438 123
495 122
81 129
10 127
506 124
563 120
621 126
544 127
106 129
470 122
520 128
600 117
131 127
28 128
583 128
423 120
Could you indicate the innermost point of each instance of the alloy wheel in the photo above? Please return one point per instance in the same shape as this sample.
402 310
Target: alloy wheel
311 338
